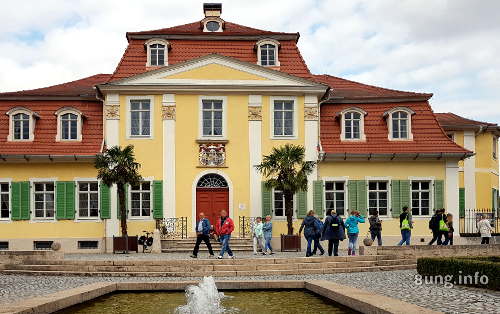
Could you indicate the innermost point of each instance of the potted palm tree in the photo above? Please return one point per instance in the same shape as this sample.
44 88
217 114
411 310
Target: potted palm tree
286 170
118 166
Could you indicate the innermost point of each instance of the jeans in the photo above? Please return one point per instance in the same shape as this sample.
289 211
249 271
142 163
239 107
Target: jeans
485 240
437 235
333 245
224 239
353 239
205 238
268 246
378 235
316 245
258 243
406 237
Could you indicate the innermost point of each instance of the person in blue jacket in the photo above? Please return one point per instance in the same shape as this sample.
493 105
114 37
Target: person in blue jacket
202 234
268 236
333 231
309 226
351 224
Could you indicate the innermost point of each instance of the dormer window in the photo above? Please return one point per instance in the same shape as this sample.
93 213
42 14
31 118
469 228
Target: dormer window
21 124
267 52
69 124
399 123
157 50
352 122
212 26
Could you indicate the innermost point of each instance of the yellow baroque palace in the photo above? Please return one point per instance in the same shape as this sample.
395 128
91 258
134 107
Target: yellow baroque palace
202 103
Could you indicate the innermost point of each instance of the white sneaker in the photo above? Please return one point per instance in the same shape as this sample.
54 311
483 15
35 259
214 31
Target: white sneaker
219 257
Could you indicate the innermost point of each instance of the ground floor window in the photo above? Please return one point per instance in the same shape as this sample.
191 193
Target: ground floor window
4 200
335 196
140 196
88 199
378 197
279 204
421 198
44 200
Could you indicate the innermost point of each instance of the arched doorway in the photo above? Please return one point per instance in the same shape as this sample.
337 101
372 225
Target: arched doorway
212 196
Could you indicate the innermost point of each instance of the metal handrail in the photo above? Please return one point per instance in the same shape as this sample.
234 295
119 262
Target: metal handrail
172 228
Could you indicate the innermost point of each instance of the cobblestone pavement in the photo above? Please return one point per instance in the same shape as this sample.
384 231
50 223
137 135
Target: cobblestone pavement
396 284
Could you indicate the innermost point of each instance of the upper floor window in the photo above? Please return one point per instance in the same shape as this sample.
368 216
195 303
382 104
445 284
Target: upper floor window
21 124
495 147
4 200
140 203
399 123
267 52
157 52
69 124
140 117
352 120
212 116
283 116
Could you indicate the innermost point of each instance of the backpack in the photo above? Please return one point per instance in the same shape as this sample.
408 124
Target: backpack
318 225
405 224
442 225
335 223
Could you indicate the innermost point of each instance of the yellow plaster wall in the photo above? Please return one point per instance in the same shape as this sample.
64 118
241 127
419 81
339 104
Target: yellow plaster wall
484 151
215 72
56 229
59 171
459 139
148 151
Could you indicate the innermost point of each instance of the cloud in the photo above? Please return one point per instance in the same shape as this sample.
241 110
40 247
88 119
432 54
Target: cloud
450 48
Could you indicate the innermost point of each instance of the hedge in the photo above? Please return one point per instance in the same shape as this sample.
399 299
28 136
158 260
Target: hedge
461 267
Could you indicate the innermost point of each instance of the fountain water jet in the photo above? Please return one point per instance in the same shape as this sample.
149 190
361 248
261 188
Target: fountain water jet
204 298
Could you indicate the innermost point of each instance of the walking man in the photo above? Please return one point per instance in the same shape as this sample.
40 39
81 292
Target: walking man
333 231
202 234
405 224
224 228
376 227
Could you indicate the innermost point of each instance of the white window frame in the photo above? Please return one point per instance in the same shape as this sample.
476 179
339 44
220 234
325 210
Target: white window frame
272 99
272 42
65 110
346 199
32 202
150 181
224 118
7 181
388 181
151 117
32 116
388 116
431 195
284 209
157 41
77 198
213 19
362 136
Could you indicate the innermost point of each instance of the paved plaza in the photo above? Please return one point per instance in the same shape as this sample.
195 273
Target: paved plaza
396 284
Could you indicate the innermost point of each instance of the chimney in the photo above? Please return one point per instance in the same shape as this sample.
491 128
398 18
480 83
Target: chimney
212 9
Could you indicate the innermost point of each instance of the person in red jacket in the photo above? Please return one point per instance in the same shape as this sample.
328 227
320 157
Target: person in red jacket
223 229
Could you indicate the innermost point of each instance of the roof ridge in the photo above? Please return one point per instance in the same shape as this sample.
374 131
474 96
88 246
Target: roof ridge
468 119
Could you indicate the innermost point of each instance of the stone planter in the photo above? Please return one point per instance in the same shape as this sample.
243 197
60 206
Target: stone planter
290 243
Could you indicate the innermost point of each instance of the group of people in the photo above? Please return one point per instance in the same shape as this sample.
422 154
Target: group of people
333 230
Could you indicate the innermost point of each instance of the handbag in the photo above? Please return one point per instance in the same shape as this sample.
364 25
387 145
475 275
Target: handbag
367 241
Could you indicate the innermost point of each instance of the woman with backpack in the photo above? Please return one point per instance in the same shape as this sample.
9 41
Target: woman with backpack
333 231
405 224
309 226
318 224
351 224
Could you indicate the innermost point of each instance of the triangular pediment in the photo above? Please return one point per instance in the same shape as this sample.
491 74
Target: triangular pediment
216 70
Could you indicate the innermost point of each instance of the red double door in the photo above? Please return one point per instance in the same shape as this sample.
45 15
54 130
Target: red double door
211 201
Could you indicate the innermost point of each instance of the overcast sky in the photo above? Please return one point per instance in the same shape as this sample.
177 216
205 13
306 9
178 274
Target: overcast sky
450 48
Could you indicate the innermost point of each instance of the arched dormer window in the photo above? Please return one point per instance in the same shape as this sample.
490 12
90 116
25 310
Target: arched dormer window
21 124
267 52
352 122
399 123
157 50
69 124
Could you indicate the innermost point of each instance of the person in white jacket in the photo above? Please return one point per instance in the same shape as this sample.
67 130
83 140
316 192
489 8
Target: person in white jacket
258 235
485 230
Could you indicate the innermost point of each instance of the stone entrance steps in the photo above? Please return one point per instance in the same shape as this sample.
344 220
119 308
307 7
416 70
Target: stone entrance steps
187 245
213 267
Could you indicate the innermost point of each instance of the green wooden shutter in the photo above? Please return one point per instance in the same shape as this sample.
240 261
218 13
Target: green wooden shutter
319 207
352 191
494 199
65 200
25 200
361 197
118 201
396 198
301 204
70 200
158 199
405 193
461 202
267 200
438 194
105 209
15 198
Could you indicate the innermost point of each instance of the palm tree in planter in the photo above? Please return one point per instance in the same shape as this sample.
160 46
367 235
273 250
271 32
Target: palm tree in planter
118 166
286 171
